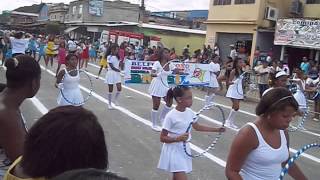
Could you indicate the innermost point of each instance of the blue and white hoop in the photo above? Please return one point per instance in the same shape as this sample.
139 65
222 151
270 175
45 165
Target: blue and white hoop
293 88
291 161
216 139
84 99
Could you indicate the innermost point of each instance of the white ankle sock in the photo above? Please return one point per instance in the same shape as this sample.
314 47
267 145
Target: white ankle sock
154 117
109 98
116 96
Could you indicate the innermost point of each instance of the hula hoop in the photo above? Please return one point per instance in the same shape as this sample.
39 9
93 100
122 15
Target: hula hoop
291 161
293 89
242 79
216 139
302 120
90 92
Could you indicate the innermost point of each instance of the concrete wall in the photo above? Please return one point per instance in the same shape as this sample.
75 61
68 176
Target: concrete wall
312 10
234 12
177 40
113 11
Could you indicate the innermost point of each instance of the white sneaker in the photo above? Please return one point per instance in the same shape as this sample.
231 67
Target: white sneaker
116 103
302 128
156 128
227 124
315 119
232 125
110 107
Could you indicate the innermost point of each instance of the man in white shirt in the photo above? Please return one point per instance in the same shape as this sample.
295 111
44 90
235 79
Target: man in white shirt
72 46
233 52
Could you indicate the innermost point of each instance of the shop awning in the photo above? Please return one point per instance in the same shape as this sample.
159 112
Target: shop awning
68 30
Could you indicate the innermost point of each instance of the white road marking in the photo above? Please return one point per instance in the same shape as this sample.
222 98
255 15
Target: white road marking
219 161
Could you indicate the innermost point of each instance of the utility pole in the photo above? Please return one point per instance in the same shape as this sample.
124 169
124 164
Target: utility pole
142 12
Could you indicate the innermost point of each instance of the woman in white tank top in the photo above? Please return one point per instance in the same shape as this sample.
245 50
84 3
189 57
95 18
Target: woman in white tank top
261 148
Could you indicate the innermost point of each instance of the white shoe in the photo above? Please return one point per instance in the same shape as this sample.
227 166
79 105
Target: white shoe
227 124
110 107
302 128
156 128
315 119
116 103
232 125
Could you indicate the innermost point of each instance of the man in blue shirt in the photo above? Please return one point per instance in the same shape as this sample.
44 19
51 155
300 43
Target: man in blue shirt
305 66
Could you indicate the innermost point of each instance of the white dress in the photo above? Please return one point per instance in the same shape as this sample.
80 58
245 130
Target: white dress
113 77
71 90
159 85
235 90
173 157
214 68
300 97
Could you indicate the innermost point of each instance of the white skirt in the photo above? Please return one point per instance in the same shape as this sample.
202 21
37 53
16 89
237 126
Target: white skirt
113 77
157 88
301 99
235 91
174 159
213 83
72 95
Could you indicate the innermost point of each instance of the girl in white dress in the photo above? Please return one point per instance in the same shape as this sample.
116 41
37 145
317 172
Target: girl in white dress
235 90
214 68
159 87
299 95
173 157
113 76
70 83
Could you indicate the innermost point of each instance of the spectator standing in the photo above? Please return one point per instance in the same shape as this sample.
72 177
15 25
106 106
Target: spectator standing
263 76
233 52
305 66
216 49
173 54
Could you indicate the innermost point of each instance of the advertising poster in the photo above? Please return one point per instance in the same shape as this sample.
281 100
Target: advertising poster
96 7
298 32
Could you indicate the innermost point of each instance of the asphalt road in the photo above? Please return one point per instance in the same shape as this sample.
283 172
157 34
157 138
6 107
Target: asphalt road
134 149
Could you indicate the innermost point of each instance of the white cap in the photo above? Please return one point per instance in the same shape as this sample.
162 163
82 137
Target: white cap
281 73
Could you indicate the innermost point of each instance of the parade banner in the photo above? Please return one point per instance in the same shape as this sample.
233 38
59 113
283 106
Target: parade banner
96 7
298 32
189 74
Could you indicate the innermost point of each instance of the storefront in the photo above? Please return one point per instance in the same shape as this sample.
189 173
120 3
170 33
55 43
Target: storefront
298 38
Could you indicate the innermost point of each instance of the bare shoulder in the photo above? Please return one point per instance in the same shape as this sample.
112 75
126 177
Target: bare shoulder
248 136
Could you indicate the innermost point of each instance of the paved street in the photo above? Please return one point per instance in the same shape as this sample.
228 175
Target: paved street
134 148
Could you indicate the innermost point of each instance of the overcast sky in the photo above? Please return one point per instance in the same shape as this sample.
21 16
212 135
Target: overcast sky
154 5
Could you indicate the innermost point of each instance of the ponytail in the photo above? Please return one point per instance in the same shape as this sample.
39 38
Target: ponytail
176 92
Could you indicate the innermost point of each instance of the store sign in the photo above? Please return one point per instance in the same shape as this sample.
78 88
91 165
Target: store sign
298 32
96 7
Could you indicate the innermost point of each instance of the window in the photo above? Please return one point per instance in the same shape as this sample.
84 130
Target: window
221 2
313 2
244 1
80 8
74 9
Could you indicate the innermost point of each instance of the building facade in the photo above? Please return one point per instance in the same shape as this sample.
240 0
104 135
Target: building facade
193 19
57 12
249 24
88 11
